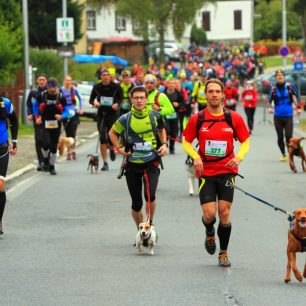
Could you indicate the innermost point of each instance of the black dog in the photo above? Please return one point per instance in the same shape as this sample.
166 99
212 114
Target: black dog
93 162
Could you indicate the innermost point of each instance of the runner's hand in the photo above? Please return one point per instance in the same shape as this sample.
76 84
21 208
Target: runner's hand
122 152
156 107
233 163
81 111
30 117
12 150
58 117
115 106
198 166
270 110
38 120
96 104
162 151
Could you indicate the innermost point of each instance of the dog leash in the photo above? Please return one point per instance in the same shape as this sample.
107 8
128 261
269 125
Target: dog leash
276 208
146 179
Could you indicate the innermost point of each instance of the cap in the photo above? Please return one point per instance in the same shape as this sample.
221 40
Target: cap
279 71
150 78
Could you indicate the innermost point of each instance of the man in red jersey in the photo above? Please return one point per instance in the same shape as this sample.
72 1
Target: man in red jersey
216 163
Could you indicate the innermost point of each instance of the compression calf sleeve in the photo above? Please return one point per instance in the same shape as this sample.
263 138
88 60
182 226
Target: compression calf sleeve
2 203
210 230
45 153
52 158
224 233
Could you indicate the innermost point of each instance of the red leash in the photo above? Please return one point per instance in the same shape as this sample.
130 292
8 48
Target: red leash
146 179
177 139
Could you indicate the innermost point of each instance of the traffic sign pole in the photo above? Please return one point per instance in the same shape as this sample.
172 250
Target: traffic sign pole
65 44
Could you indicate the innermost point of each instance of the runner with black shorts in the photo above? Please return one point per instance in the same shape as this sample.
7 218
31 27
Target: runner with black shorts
281 98
106 96
6 113
216 164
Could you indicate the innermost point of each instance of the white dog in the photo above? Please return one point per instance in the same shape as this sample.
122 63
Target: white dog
146 237
191 175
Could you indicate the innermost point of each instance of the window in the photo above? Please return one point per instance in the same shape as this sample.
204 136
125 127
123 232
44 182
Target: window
91 20
120 23
136 27
206 21
238 20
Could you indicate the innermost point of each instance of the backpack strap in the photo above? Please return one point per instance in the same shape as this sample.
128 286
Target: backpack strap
227 119
156 99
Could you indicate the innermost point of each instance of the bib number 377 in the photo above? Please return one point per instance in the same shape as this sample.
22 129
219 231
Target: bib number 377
215 148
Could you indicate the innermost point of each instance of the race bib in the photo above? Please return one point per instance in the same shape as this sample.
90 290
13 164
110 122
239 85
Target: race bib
125 105
248 97
172 116
142 147
230 102
51 124
106 101
142 150
215 148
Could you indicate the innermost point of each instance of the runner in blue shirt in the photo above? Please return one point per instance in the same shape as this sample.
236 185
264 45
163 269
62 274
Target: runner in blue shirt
6 113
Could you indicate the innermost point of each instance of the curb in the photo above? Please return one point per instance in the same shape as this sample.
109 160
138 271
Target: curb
32 166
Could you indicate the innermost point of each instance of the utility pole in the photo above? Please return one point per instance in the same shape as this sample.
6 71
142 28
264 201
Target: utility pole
26 60
65 44
284 29
251 51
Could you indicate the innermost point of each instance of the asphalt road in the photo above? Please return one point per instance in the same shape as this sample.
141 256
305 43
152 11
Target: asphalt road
68 239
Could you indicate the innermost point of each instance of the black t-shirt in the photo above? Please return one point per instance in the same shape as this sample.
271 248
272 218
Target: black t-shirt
107 95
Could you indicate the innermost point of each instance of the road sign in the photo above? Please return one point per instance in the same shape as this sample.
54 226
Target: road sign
298 55
65 51
298 66
283 51
64 30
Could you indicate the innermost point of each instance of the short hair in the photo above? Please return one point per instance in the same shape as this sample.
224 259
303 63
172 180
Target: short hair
214 81
138 89
126 73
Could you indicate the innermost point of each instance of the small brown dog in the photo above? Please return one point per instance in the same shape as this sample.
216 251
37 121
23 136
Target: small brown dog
295 149
296 243
64 143
93 163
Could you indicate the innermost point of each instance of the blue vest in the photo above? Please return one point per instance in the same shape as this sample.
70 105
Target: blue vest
6 108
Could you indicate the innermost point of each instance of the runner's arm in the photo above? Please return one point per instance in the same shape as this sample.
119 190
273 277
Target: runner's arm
166 107
244 148
188 148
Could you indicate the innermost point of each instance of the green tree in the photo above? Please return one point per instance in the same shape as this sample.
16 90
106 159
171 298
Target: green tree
299 6
198 35
42 21
269 24
11 41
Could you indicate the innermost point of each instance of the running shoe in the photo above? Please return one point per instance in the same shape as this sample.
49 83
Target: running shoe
1 229
74 155
40 167
46 165
52 170
105 167
224 260
210 244
112 155
283 158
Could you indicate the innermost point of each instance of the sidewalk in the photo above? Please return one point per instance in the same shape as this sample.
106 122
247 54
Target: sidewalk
25 159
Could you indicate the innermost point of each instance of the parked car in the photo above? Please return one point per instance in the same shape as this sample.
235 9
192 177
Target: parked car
171 49
297 78
85 89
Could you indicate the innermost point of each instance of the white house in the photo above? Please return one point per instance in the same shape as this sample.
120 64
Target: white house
225 20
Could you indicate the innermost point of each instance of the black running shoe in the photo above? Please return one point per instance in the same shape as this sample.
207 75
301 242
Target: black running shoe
46 166
210 244
105 167
1 229
112 155
40 167
52 170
